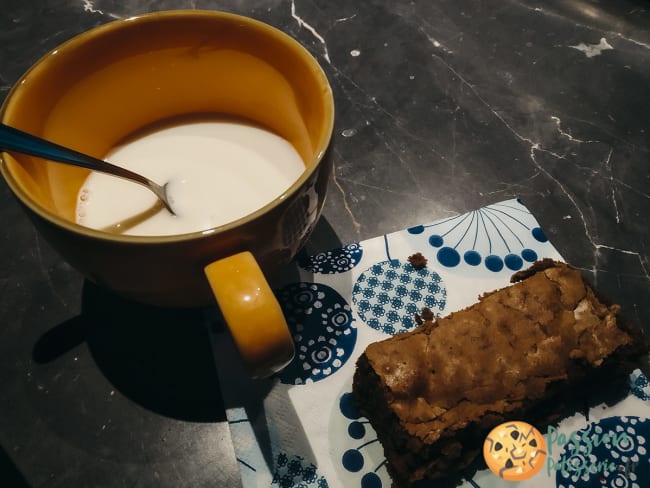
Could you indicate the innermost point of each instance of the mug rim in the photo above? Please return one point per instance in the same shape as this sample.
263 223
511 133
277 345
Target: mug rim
310 169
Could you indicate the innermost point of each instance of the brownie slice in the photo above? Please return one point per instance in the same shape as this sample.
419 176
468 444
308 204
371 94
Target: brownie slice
519 353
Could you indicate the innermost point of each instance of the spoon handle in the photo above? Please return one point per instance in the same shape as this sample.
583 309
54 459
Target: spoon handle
12 139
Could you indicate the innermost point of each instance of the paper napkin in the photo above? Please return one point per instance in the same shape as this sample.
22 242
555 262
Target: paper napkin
301 428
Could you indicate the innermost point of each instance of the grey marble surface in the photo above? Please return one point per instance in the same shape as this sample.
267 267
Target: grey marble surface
442 107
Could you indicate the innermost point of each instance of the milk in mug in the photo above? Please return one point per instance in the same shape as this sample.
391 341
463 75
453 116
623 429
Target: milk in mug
218 171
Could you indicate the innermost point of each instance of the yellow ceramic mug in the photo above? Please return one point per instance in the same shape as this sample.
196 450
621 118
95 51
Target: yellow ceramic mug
110 82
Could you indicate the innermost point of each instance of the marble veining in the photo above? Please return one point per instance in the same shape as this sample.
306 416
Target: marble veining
592 50
313 31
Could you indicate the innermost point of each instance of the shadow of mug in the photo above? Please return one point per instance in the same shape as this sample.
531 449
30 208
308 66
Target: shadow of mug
106 84
159 358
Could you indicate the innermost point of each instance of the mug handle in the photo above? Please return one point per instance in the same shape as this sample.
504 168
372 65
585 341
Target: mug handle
252 313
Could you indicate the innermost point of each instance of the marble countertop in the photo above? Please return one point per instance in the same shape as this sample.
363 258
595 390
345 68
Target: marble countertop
442 107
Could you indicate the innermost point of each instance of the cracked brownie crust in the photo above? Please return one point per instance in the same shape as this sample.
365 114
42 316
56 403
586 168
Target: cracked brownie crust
432 394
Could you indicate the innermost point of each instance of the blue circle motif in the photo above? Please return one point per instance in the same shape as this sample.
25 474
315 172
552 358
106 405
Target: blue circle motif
513 262
448 256
472 258
418 229
436 241
611 453
352 460
356 430
539 235
348 407
321 323
371 480
529 255
389 293
333 261
494 263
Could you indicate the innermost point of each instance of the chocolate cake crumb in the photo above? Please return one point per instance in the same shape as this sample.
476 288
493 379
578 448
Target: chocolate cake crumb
536 267
426 316
417 260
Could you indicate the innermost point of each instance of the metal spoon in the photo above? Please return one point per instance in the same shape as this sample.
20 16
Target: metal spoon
12 139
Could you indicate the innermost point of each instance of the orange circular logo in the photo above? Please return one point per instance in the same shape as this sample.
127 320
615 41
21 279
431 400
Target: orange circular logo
515 451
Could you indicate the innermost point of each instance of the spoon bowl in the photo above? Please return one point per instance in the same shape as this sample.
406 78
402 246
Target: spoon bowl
15 140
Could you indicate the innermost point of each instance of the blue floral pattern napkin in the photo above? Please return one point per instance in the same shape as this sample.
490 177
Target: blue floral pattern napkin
301 428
